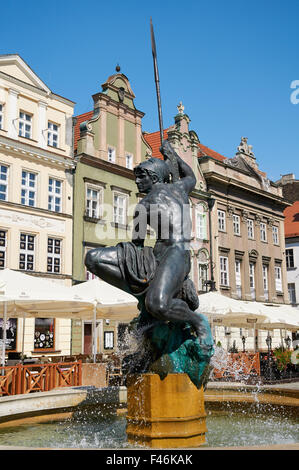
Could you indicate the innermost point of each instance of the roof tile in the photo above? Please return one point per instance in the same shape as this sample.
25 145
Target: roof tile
291 223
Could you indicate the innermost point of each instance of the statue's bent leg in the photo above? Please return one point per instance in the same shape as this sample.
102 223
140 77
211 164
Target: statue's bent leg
103 262
160 298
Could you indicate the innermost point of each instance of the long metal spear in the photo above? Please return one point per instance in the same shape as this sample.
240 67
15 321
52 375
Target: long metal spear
154 52
171 155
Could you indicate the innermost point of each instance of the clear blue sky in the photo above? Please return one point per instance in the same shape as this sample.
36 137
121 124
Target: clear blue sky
230 62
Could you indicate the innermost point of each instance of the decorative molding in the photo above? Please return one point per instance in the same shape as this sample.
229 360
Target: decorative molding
30 221
121 190
96 182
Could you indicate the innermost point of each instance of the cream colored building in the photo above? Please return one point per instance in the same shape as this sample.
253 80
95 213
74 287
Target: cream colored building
36 200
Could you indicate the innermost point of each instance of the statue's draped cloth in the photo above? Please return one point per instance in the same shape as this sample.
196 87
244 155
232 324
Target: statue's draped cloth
165 347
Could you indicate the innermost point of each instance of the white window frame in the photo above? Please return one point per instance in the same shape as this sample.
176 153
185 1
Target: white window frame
263 231
117 218
1 116
224 272
201 225
252 279
238 276
221 220
26 252
111 154
236 224
4 175
129 161
28 188
250 229
54 255
290 261
108 339
53 134
278 278
275 235
94 201
265 281
292 293
55 194
3 248
25 125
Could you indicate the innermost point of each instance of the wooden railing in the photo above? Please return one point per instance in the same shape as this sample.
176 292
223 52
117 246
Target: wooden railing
20 379
239 365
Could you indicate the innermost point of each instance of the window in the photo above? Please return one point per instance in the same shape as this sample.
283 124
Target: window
108 339
252 279
111 155
27 246
265 281
1 116
201 225
25 125
120 208
44 333
28 188
278 280
93 202
275 235
292 293
3 245
238 277
202 277
129 162
54 255
250 228
221 220
55 195
224 281
263 231
3 182
52 134
236 224
290 258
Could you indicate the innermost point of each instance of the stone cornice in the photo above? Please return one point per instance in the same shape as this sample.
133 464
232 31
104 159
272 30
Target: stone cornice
106 166
212 175
37 210
37 153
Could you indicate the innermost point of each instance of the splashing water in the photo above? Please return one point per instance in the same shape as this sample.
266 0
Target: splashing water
98 430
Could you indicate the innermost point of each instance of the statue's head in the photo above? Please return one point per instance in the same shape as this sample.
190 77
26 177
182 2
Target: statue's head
150 172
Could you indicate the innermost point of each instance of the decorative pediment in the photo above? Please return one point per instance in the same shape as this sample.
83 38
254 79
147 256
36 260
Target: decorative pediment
14 66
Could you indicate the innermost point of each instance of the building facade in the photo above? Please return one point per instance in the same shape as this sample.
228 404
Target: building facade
108 145
185 142
247 227
292 251
36 197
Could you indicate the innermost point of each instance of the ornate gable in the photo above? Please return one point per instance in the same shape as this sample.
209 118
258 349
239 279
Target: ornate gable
14 67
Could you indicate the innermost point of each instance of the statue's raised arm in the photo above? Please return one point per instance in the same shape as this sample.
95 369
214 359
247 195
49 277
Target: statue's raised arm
186 174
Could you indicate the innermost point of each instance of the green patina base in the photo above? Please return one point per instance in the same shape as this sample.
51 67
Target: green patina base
168 348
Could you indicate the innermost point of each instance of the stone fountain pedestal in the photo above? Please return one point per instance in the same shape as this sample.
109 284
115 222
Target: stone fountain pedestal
166 413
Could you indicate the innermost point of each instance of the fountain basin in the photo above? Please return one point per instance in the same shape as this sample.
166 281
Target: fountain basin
261 417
